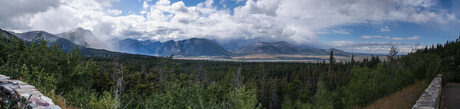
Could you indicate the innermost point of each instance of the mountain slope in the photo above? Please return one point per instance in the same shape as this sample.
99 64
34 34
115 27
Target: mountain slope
36 36
188 48
8 35
338 52
192 47
147 47
285 48
270 48
83 37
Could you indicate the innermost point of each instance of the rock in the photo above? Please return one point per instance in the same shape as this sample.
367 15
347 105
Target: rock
22 91
430 98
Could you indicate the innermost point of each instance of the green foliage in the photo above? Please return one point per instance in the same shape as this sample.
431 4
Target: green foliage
106 101
48 68
195 95
323 98
242 98
357 91
134 81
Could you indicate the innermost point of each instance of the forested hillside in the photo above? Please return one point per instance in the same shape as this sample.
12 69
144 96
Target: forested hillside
133 81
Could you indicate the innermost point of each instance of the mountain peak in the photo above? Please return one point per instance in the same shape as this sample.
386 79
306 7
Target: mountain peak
277 43
279 47
80 29
83 37
198 39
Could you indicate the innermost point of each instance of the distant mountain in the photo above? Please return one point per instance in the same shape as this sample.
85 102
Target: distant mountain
147 47
67 45
231 46
285 48
270 48
83 37
188 48
192 47
8 35
88 43
315 51
36 36
338 52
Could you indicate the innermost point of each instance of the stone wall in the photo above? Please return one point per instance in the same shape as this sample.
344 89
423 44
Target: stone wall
22 94
431 96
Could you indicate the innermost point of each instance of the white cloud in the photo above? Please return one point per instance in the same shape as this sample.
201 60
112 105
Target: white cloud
374 37
267 7
406 38
340 31
413 38
392 38
10 10
114 12
385 29
298 21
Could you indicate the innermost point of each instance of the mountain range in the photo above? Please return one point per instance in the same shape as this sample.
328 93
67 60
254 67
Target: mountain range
187 48
65 44
204 47
194 47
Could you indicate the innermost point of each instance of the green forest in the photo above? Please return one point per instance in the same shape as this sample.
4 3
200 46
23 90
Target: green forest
134 81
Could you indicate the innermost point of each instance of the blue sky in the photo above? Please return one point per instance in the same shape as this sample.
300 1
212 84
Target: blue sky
351 25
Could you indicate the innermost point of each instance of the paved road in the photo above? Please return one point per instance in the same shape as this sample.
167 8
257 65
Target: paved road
451 96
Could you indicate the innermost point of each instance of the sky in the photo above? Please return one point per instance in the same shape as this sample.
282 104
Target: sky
366 26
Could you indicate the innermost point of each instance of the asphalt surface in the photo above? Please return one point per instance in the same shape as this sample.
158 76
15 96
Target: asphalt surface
451 96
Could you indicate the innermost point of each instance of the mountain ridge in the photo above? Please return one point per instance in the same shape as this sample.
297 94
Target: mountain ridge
193 47
186 48
83 37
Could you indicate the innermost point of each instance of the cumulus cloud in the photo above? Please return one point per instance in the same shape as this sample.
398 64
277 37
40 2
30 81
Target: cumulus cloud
10 10
300 21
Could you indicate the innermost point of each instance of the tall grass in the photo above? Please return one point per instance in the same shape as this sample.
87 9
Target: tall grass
403 99
58 100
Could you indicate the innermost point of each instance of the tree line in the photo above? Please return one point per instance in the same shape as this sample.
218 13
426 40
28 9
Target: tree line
154 82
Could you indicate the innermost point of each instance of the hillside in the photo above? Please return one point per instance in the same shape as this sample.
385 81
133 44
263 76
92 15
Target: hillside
83 37
36 36
192 47
269 48
146 47
285 48
8 35
66 45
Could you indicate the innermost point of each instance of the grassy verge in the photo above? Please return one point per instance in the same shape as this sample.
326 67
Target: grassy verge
58 100
403 99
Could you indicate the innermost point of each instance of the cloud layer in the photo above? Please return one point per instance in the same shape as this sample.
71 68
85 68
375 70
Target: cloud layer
301 21
390 38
